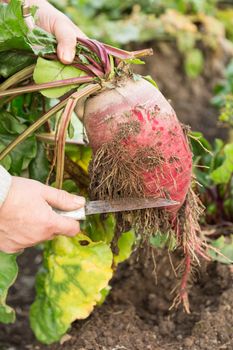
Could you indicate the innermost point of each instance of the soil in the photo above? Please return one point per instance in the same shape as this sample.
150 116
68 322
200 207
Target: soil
135 315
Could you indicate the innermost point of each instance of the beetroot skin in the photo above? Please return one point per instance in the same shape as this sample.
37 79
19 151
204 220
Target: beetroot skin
136 115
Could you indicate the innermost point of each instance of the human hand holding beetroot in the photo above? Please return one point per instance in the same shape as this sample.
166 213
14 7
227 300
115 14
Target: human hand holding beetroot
55 22
26 216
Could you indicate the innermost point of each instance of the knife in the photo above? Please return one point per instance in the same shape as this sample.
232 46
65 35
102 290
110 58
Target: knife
114 206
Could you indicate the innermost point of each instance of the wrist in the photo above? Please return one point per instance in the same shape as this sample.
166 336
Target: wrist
5 184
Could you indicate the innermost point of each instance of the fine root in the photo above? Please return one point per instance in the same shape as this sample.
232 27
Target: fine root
116 173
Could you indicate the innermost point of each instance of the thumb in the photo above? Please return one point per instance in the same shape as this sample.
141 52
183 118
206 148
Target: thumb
66 33
63 200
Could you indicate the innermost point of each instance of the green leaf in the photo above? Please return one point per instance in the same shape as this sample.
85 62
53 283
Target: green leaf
8 274
5 162
99 228
134 61
13 61
223 173
81 155
70 186
23 153
16 35
151 80
13 27
41 42
200 145
125 245
39 166
9 124
76 271
48 71
194 63
225 246
161 240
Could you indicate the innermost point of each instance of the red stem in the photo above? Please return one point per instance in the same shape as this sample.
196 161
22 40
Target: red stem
50 85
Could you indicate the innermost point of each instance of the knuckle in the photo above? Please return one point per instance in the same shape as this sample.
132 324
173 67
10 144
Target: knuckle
8 249
49 226
75 229
62 196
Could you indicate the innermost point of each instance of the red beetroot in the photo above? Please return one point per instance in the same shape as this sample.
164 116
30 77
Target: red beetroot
141 150
154 131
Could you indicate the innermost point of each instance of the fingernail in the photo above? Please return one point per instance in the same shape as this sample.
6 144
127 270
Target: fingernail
67 56
79 200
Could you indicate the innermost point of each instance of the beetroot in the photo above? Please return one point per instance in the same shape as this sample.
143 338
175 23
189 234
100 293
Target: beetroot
137 116
141 150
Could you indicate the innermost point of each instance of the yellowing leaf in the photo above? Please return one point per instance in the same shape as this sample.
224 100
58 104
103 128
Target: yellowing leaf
49 71
77 270
81 155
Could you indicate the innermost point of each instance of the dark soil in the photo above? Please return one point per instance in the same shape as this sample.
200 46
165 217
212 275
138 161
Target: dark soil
135 315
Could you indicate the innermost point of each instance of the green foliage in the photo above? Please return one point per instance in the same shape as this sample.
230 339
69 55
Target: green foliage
125 246
13 61
226 17
226 112
194 63
225 246
100 229
164 240
19 36
10 17
20 157
39 166
223 98
115 9
8 274
76 270
47 71
223 173
80 155
213 168
187 22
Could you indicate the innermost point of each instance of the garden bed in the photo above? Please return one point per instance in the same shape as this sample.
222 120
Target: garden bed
135 315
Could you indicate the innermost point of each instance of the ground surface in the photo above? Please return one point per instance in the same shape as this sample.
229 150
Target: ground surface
136 316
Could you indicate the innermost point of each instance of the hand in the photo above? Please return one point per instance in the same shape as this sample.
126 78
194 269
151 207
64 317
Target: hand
26 216
55 22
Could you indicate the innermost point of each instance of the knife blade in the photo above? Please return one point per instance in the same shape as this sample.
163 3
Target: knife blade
116 205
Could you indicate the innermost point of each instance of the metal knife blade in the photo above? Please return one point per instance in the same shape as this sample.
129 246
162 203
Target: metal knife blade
117 205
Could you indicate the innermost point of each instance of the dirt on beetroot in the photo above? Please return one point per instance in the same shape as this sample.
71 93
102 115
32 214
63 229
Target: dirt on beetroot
136 315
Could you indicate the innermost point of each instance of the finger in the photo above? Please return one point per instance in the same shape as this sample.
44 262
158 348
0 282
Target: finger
11 248
66 226
63 200
66 33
